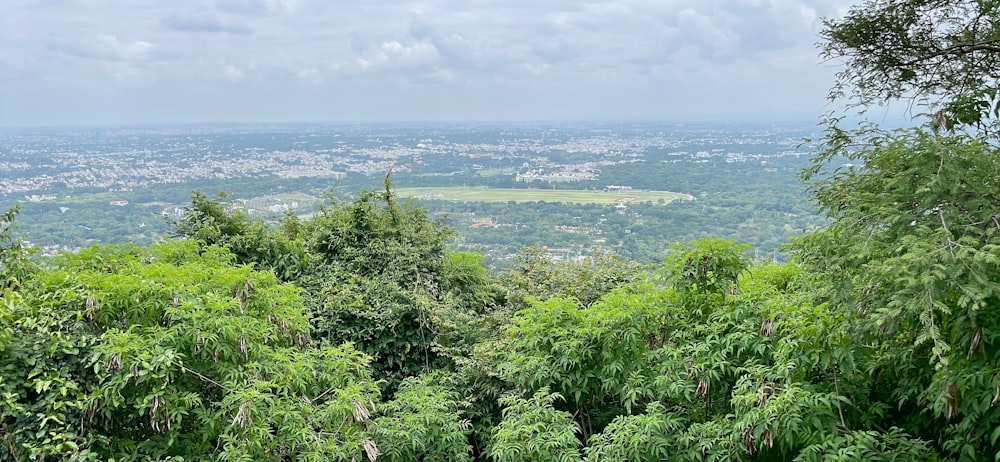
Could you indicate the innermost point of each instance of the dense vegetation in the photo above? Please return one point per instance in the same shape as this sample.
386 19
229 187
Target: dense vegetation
358 334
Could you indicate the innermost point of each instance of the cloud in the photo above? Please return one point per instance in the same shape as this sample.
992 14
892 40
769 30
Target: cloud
233 73
107 47
248 7
556 57
255 7
204 22
310 75
397 54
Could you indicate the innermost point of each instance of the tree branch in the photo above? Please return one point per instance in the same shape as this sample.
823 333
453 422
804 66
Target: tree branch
956 50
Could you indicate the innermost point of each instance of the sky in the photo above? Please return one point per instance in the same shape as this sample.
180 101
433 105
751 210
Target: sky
87 62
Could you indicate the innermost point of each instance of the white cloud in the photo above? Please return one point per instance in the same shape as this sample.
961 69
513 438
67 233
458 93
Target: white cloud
560 56
397 55
311 75
703 29
233 73
109 48
203 22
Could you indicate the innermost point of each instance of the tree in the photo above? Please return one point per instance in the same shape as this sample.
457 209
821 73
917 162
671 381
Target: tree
174 352
943 53
213 222
14 264
223 222
909 261
422 423
533 430
375 272
377 280
714 360
913 255
537 275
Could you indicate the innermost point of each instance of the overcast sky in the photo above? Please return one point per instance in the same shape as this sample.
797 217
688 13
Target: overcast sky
147 61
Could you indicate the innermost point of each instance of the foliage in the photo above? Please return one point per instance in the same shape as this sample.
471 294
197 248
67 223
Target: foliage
129 353
652 436
533 430
593 357
383 280
735 363
646 356
909 261
944 51
213 222
890 446
14 265
45 380
224 223
537 275
914 256
375 272
422 423
704 271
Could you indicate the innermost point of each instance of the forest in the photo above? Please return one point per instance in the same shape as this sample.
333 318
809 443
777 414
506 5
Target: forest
360 334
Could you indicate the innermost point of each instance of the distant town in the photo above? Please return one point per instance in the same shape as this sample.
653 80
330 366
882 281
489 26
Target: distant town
33 162
147 173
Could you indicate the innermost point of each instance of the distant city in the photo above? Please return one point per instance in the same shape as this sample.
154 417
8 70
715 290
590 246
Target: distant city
147 172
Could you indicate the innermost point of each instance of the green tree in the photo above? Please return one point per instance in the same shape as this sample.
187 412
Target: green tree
375 272
377 279
943 53
909 261
533 430
423 422
913 255
224 222
714 359
537 275
174 352
213 222
14 264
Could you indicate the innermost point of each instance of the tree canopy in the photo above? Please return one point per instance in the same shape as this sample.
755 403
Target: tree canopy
355 334
944 54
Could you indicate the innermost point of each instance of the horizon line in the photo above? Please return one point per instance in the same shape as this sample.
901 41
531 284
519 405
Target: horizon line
372 122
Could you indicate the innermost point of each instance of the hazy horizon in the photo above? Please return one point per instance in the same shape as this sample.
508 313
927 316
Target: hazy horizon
421 123
72 63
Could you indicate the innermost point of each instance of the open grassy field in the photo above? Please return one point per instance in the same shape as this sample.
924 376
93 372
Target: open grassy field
483 194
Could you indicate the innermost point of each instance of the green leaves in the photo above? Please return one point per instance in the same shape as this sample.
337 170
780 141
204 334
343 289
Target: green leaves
14 264
892 445
704 271
940 53
132 353
533 430
422 423
44 381
915 246
383 280
652 436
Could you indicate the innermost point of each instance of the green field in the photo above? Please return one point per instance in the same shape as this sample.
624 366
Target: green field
482 194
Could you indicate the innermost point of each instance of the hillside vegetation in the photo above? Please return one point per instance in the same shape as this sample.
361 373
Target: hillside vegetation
356 334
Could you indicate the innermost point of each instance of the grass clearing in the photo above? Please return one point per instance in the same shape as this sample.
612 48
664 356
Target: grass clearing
483 194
